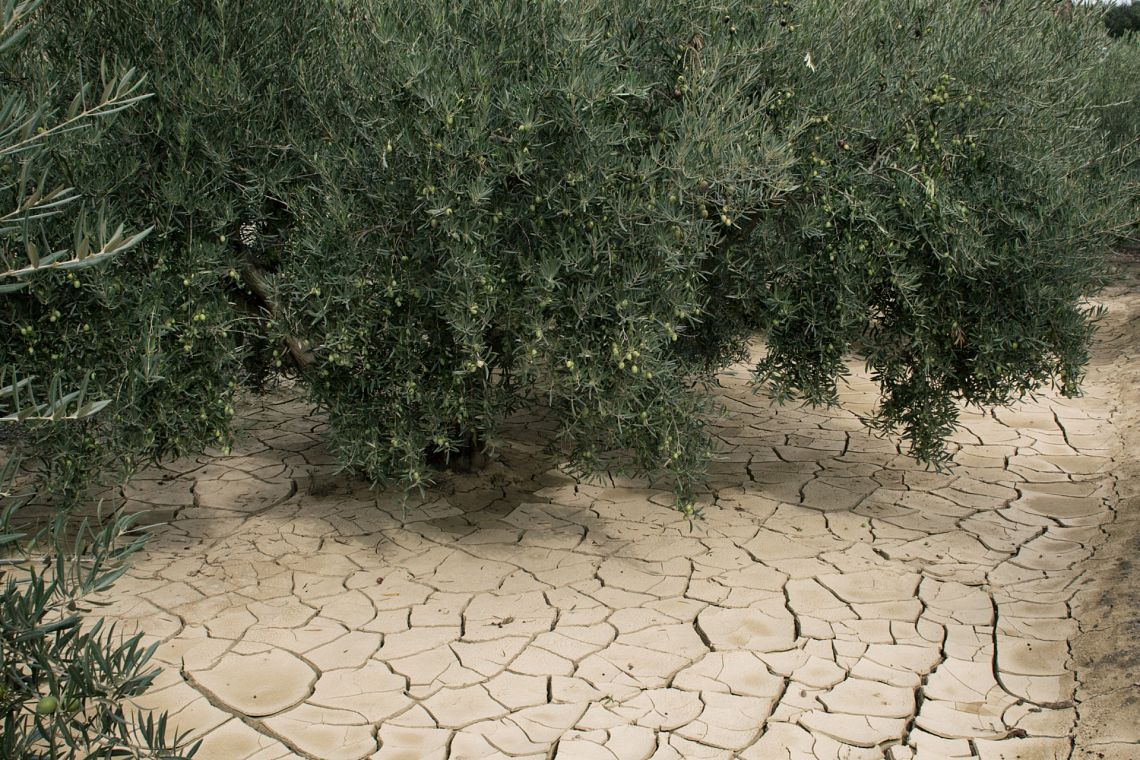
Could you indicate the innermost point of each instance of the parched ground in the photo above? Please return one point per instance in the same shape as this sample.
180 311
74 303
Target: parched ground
1106 651
837 602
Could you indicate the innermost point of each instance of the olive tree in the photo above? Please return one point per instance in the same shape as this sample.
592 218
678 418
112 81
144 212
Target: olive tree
432 214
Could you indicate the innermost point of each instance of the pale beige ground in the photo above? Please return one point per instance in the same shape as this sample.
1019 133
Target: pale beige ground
837 601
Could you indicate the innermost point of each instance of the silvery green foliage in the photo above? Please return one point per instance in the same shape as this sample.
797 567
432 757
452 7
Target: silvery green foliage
956 198
152 331
1116 94
66 680
526 205
33 200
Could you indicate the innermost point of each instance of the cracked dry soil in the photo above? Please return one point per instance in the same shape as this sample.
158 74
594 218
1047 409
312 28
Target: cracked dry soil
838 601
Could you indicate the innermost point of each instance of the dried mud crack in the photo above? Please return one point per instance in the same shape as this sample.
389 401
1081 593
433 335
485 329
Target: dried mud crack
838 601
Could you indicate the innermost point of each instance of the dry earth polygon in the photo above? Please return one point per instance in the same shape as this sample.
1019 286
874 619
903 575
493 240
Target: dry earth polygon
837 601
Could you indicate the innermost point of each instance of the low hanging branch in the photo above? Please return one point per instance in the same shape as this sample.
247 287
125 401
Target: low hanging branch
300 350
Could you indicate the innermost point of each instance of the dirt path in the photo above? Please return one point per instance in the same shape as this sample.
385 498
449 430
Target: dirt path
837 601
1106 652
